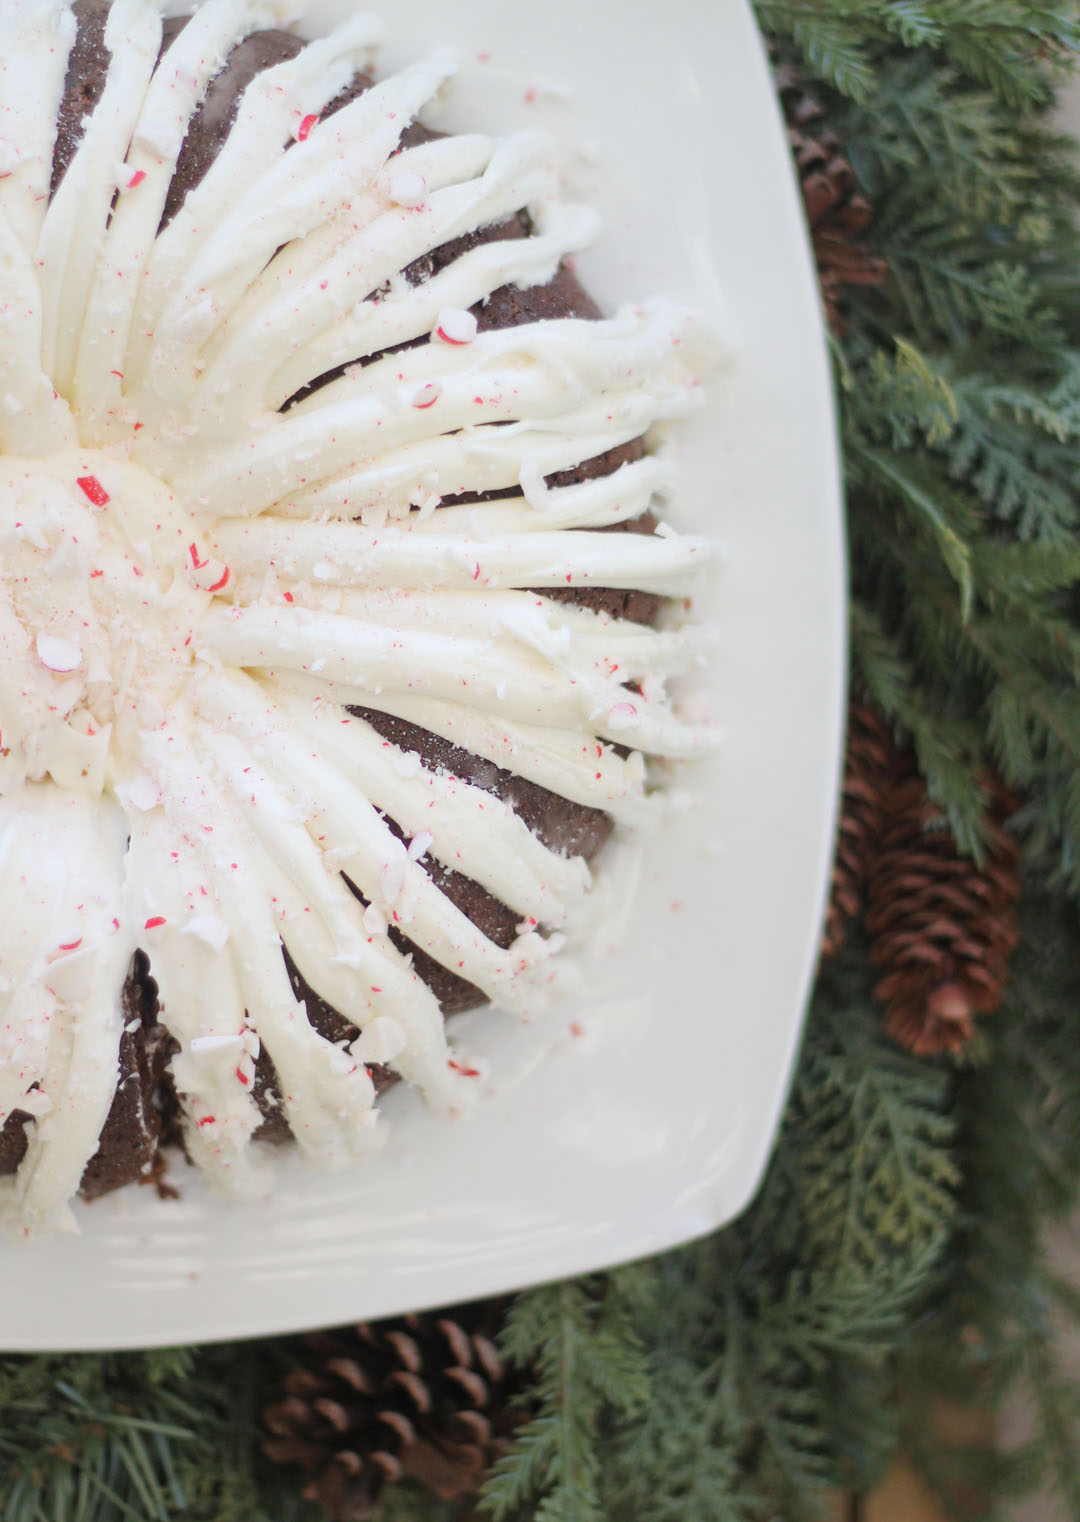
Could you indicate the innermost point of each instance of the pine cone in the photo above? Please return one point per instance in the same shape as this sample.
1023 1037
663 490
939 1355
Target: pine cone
942 928
424 1396
837 213
870 765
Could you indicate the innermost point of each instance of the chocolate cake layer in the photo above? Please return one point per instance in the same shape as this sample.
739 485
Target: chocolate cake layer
13 1141
212 122
569 828
132 1131
84 83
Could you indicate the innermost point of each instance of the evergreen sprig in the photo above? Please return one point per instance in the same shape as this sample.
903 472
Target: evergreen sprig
746 1336
1005 44
116 1437
583 1341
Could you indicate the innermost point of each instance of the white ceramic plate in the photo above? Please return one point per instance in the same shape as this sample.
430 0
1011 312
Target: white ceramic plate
654 1125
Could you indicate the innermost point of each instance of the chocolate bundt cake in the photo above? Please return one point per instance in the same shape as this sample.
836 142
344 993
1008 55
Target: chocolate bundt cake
332 630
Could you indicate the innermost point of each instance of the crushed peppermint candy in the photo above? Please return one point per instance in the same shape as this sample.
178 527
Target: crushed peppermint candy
57 654
420 845
406 188
623 716
126 179
304 129
381 1040
427 395
209 929
465 1069
455 326
9 158
196 323
93 490
206 1048
375 921
142 793
208 575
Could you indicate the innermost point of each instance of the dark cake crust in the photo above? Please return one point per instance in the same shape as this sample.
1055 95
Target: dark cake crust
212 122
84 83
132 1131
13 1141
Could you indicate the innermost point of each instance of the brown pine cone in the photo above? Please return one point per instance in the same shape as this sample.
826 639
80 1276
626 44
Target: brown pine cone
942 927
424 1396
837 213
870 767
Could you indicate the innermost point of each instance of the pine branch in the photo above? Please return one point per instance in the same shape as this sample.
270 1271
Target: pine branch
810 1292
109 1438
584 1342
998 1328
1005 44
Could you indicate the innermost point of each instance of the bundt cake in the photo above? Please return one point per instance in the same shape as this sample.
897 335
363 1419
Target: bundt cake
334 610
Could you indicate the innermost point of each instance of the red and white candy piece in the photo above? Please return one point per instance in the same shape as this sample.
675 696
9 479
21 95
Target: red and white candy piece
406 188
623 715
427 395
127 178
9 158
57 654
92 490
455 326
207 574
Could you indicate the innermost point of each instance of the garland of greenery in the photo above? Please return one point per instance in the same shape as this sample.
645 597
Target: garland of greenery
893 1256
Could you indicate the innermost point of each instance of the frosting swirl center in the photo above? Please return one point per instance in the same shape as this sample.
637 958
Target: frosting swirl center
103 580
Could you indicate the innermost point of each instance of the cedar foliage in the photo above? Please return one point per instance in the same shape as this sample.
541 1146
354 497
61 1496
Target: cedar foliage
111 1437
894 1252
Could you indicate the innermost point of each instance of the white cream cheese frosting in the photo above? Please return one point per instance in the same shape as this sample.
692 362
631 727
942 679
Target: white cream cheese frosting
194 583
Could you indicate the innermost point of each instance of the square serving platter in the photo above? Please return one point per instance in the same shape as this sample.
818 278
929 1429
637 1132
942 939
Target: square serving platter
640 1112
